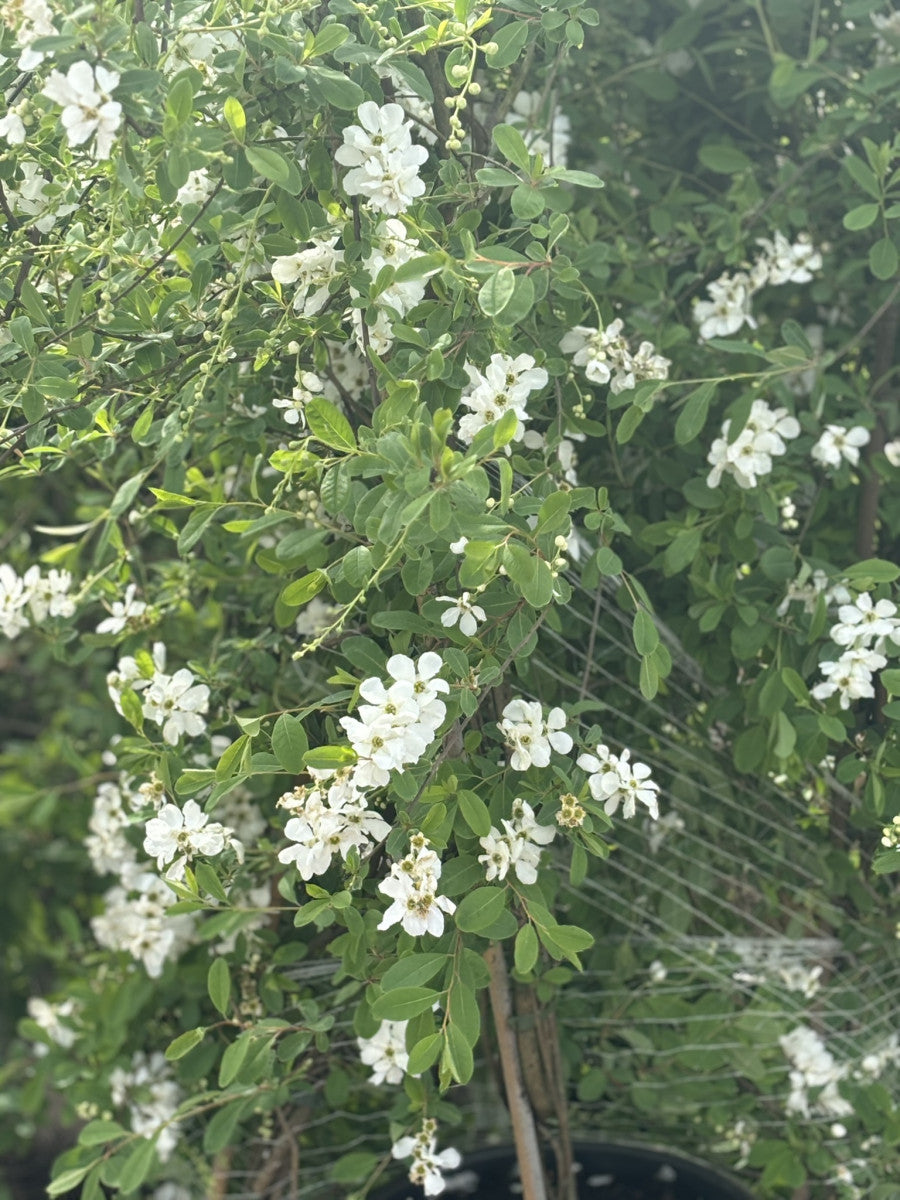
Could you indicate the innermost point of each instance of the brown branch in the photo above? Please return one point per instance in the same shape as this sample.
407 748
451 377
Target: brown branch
528 1152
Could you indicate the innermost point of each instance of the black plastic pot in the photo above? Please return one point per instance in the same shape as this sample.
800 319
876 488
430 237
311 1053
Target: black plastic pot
605 1171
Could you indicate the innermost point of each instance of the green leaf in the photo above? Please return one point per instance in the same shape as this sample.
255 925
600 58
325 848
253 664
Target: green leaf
412 971
336 87
497 177
329 425
874 570
184 1043
233 1058
883 259
723 159
426 1052
496 292
357 566
329 38
480 909
580 178
218 984
510 42
692 417
329 758
648 678
356 1166
67 1181
891 682
627 426
474 813
136 1167
525 952
289 743
273 165
194 527
862 216
644 631
236 118
404 1003
100 1131
505 429
885 864
863 176
180 100
302 590
220 1130
458 1055
511 145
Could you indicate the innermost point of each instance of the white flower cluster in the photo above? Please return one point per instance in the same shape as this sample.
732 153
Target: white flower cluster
613 780
868 630
177 836
750 455
806 589
33 20
40 201
310 271
108 848
88 112
605 357
152 1097
31 598
315 617
324 823
384 161
838 444
385 1052
412 886
529 736
780 262
814 1067
890 834
504 386
174 702
134 920
428 1164
392 247
398 721
518 847
123 612
50 1018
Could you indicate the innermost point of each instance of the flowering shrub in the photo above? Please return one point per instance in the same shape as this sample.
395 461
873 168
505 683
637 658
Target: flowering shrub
305 315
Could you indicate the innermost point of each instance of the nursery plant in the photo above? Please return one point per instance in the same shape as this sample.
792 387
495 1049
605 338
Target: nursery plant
414 417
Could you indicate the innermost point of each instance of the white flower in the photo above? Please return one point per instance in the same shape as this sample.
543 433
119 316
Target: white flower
196 189
152 1097
657 971
185 832
385 1052
862 623
12 127
837 443
88 110
459 546
308 386
48 595
122 612
322 825
782 262
13 599
892 452
505 384
175 702
750 455
315 617
850 676
615 780
728 309
50 1017
529 737
385 163
311 271
412 885
35 21
135 921
464 611
605 357
428 1165
518 848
